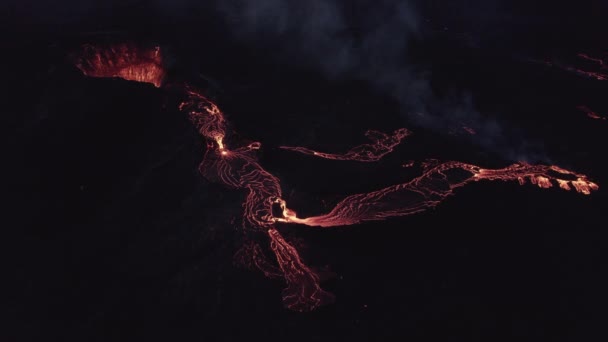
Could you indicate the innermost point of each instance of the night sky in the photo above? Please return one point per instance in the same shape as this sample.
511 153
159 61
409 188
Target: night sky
112 234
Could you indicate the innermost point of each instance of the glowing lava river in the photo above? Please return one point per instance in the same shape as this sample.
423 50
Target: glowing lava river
237 167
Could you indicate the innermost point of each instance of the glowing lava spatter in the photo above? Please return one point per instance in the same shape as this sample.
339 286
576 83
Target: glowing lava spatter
382 144
590 113
469 130
238 168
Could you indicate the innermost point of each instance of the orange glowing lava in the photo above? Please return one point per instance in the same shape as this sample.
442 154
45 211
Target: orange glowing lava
123 61
430 189
599 71
382 144
590 113
303 292
237 167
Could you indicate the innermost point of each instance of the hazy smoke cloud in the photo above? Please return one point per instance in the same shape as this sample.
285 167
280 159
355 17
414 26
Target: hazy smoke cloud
327 33
366 41
344 39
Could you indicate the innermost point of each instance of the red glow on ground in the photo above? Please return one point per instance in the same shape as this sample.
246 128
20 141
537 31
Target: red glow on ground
382 144
303 292
237 167
590 113
430 189
122 61
599 71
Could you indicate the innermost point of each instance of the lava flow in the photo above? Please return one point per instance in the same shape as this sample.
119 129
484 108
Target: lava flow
302 283
432 187
237 167
382 144
590 113
600 74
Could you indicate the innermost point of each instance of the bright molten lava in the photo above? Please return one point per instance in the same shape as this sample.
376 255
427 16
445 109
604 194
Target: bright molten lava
430 189
303 292
237 167
123 61
382 144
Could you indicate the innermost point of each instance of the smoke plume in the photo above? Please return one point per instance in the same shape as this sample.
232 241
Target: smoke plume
368 41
